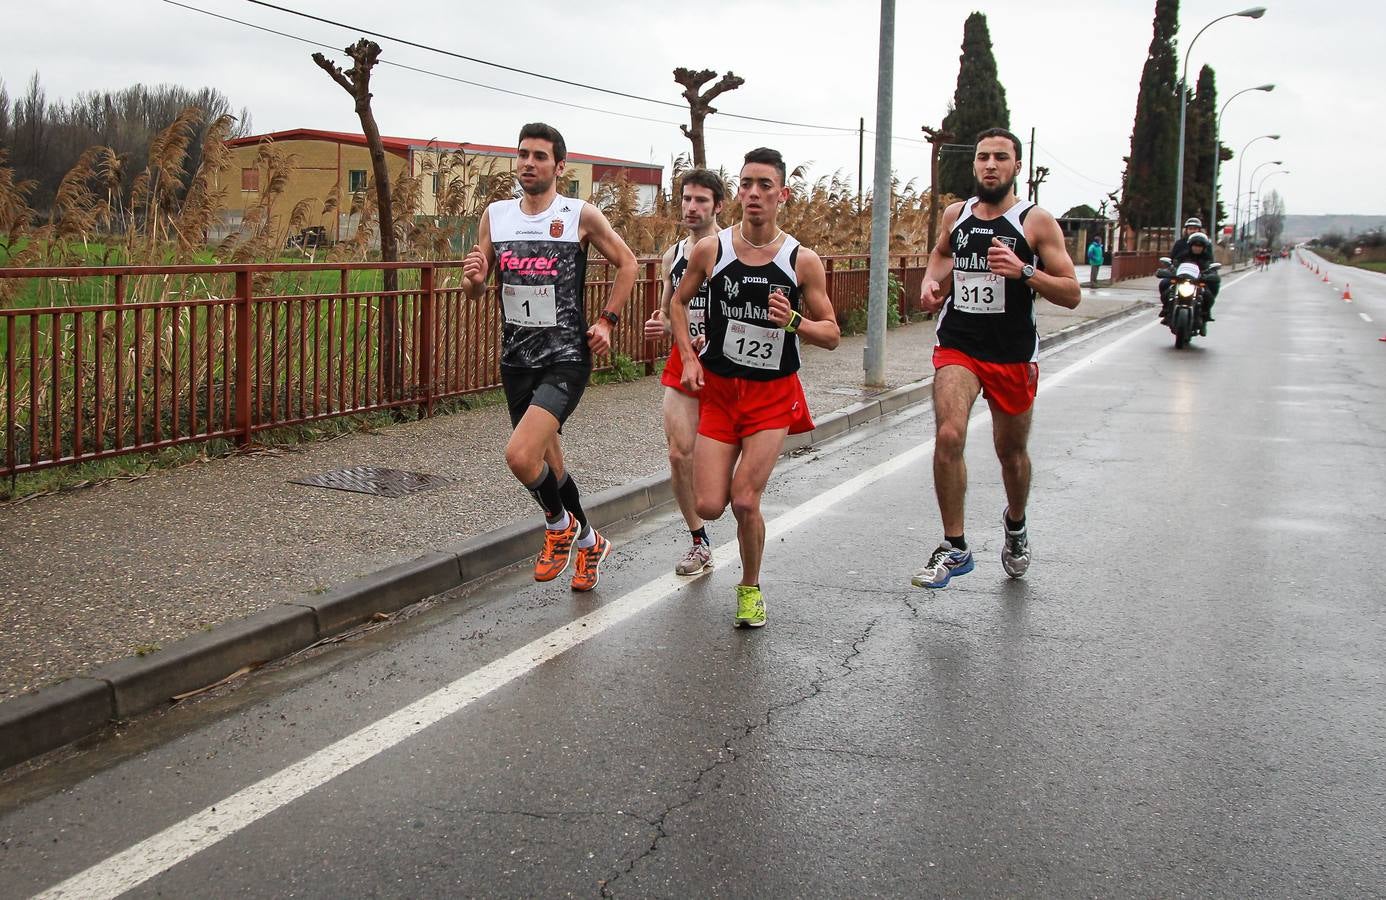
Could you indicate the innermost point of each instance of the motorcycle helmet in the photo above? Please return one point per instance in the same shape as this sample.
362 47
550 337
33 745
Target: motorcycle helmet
1199 239
1193 222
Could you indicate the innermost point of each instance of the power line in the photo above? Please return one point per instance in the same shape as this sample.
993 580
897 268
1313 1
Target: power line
1051 155
553 78
527 96
489 87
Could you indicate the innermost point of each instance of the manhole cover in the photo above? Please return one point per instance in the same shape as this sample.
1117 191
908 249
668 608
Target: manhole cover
373 480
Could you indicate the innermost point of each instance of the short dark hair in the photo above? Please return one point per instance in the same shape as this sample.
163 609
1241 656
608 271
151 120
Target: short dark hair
545 133
770 158
1002 133
704 179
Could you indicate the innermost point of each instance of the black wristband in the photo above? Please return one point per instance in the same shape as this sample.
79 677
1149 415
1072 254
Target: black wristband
611 317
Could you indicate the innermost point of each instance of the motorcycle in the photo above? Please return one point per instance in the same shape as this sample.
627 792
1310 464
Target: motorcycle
1188 299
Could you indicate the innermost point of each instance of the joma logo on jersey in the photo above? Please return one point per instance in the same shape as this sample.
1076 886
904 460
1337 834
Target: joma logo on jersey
731 288
510 262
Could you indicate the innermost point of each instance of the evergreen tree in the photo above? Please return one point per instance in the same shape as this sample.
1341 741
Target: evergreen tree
1198 148
979 102
1147 187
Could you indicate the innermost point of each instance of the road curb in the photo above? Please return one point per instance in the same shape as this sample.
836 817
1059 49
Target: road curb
51 717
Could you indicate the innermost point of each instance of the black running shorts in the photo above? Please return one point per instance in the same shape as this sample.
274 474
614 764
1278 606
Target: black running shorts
556 388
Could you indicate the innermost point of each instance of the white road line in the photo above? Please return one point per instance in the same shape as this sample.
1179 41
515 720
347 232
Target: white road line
1365 317
156 854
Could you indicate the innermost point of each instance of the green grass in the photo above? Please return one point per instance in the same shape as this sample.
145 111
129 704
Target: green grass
1373 265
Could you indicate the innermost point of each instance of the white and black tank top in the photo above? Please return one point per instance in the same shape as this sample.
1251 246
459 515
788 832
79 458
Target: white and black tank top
988 317
541 272
742 342
697 306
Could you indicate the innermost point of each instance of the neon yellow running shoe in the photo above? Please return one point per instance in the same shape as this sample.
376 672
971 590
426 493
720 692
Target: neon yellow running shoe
750 607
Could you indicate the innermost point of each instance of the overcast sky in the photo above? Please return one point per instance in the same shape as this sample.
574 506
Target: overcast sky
1071 71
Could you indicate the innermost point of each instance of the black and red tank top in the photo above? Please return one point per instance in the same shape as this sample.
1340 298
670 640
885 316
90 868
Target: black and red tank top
697 307
742 342
988 317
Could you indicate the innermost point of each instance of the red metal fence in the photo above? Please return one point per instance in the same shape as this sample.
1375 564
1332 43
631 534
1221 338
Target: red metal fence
99 362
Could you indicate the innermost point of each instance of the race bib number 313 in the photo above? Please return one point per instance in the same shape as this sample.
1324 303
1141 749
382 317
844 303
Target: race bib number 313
753 346
532 306
979 292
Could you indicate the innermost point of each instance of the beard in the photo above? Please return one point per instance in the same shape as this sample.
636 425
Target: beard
537 187
993 195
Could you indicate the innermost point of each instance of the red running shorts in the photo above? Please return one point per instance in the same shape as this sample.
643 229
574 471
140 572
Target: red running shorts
734 408
1011 386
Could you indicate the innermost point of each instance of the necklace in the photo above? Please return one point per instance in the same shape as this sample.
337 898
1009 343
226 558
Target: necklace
741 230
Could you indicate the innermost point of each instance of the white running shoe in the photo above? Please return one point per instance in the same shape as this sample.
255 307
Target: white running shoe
1015 549
696 561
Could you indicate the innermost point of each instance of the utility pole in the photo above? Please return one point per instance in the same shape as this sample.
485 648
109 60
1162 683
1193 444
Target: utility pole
935 137
874 354
1033 186
861 156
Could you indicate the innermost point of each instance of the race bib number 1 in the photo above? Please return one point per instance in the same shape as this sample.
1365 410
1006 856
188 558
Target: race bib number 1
979 292
753 346
532 306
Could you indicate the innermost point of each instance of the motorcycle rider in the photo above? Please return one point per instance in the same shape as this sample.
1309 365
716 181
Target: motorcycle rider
1200 253
1177 254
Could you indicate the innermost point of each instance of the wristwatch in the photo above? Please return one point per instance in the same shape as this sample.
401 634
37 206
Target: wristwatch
1027 272
611 317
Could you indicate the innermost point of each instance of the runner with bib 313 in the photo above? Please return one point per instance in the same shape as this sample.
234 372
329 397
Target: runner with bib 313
995 253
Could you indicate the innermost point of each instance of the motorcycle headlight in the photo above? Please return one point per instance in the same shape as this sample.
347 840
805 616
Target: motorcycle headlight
1186 289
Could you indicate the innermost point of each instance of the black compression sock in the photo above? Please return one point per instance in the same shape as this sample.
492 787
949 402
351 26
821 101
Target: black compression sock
700 536
572 501
545 493
958 543
1012 525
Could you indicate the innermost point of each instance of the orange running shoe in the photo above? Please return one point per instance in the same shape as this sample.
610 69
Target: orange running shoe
553 559
589 560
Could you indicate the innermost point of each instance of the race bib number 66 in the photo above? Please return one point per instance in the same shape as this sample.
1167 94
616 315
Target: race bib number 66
979 292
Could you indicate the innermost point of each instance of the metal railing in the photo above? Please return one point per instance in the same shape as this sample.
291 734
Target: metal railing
102 361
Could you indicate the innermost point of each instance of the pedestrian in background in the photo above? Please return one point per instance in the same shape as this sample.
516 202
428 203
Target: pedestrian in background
1094 259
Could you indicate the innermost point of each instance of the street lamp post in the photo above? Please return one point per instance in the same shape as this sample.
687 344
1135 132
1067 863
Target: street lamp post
1237 207
1254 12
1217 158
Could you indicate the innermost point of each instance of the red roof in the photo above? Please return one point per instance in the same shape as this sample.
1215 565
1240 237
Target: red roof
404 144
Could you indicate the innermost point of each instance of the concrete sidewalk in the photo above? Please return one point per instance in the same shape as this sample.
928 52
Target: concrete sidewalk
125 569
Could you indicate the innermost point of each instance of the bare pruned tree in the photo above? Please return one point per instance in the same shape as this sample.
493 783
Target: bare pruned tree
700 105
356 81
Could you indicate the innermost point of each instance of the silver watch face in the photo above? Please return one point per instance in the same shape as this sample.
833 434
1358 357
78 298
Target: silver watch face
1027 272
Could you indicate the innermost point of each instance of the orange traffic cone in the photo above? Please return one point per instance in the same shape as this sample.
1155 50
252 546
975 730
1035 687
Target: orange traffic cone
1325 279
1347 293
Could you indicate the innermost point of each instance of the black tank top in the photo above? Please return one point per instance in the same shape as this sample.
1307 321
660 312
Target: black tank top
988 317
741 340
697 307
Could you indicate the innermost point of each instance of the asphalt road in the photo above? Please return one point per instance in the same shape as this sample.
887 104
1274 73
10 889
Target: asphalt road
1184 697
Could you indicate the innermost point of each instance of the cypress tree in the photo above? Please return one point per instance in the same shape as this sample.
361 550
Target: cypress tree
1147 187
1198 148
979 102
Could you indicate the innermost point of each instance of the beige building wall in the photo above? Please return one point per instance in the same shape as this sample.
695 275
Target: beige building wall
319 168
322 166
